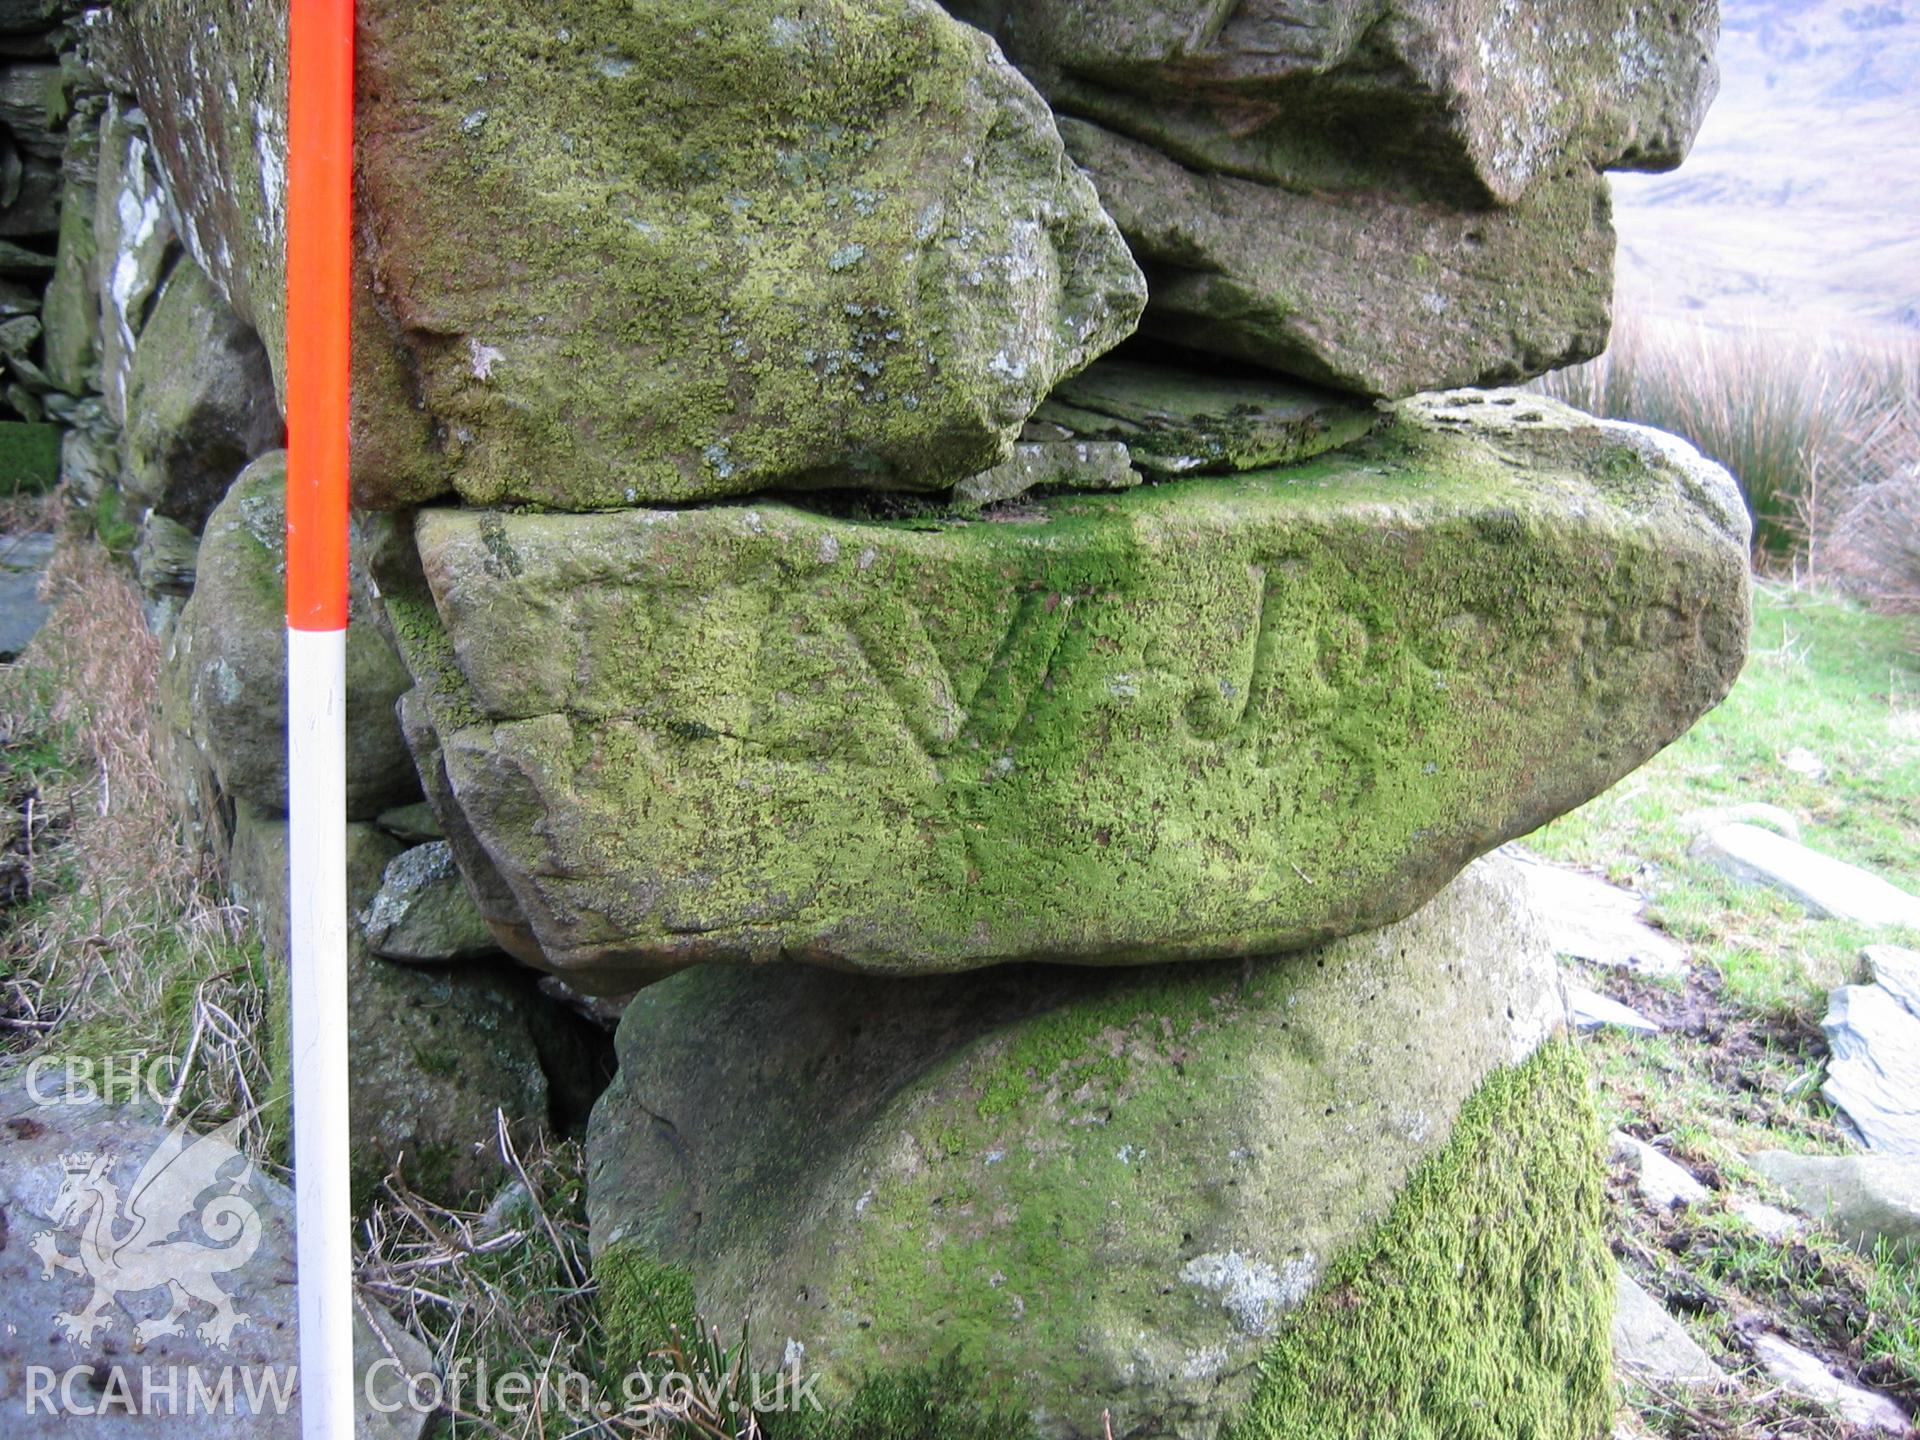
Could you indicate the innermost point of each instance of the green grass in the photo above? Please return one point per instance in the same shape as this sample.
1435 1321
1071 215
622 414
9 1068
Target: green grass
1893 1292
1740 1065
1825 677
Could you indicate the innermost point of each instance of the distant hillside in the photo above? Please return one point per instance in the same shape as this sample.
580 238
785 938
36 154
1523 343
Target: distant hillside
1801 200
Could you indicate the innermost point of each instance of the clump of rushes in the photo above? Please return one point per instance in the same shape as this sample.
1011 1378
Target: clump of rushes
1823 434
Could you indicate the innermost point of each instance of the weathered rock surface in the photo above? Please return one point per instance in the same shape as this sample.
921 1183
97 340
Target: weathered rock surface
19 261
1072 464
72 310
1752 812
1824 885
41 1131
1215 718
412 824
1600 923
1113 1191
166 560
1896 970
1864 1199
1360 291
132 236
1660 1180
1874 1070
1178 422
663 252
90 452
32 105
486 887
1809 1375
225 677
1433 166
23 561
1453 101
433 1054
1652 1347
1769 1221
1593 1011
26 17
200 402
423 913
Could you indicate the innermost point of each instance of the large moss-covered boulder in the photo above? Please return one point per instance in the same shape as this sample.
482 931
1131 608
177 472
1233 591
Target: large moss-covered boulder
1264 1199
659 251
200 402
1386 195
1220 717
224 684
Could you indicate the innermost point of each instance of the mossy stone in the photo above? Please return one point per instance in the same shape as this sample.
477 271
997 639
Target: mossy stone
433 1053
423 913
1361 291
1482 1308
71 312
1218 717
224 680
1121 1193
632 252
1385 198
1464 101
1179 421
1063 463
200 402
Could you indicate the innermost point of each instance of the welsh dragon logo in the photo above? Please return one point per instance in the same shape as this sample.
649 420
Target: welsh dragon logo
141 1242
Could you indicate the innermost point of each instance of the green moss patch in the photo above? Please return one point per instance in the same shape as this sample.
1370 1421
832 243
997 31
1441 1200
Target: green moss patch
644 1304
29 457
1480 1309
1216 717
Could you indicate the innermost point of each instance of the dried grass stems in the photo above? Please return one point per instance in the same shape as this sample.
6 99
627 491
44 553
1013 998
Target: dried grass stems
118 941
1821 429
500 1291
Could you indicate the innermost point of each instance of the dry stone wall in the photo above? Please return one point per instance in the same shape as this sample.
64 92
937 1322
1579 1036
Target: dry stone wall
944 548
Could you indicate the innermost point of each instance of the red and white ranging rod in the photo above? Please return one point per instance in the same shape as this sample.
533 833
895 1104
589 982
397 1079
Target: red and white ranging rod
319 279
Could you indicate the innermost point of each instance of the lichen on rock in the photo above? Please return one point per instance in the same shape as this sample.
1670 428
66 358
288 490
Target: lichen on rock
224 679
1212 718
1118 1192
627 253
1386 196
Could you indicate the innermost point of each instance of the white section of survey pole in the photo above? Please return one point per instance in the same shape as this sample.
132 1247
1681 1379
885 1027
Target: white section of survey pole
317 836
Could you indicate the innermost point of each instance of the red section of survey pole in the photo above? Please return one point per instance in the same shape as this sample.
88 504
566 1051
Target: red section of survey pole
319 308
